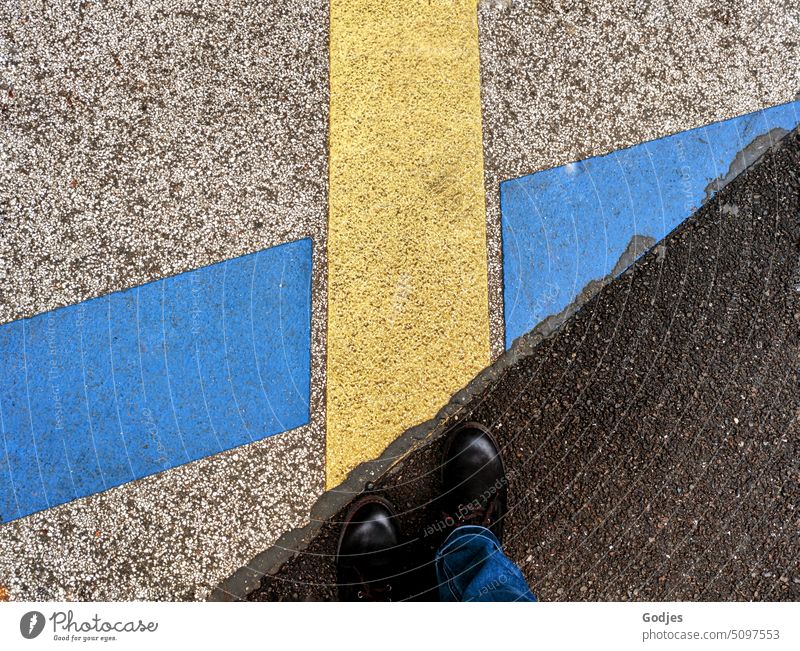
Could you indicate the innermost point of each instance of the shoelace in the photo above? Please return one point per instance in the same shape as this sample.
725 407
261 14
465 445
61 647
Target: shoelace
483 516
375 592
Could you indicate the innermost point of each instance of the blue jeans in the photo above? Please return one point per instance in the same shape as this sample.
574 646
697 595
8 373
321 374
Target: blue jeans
471 566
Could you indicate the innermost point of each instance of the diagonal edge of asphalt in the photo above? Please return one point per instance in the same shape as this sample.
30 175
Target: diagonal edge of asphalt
650 430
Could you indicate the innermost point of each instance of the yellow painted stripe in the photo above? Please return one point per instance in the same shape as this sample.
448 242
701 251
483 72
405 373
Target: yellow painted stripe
408 321
408 317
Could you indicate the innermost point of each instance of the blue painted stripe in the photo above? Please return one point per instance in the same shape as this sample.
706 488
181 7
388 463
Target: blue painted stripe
567 226
122 386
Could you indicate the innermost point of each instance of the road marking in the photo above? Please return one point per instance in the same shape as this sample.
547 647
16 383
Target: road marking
122 386
408 317
568 226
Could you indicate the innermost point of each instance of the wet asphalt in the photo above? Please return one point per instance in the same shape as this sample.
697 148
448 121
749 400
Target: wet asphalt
652 441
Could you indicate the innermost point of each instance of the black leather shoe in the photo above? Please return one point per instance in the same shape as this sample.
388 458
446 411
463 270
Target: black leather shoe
367 557
474 483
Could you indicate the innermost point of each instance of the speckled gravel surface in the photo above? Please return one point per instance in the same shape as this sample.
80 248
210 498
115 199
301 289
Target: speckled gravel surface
139 139
565 80
144 138
171 536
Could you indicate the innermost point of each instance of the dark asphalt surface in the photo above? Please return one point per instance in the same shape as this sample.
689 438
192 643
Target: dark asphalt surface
652 442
